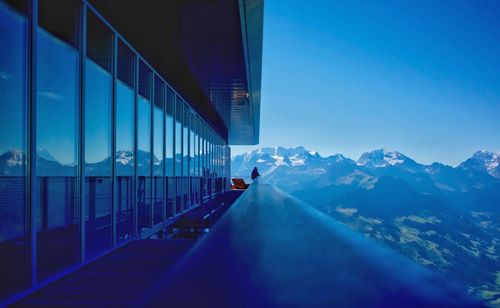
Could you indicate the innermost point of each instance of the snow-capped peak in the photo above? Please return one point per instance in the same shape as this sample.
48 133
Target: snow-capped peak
15 158
484 161
124 157
381 158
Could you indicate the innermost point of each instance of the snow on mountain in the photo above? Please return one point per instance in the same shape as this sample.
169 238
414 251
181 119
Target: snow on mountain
299 168
483 161
382 158
15 158
43 153
11 163
124 157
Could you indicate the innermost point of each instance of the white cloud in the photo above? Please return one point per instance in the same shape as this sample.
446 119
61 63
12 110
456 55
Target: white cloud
5 76
51 95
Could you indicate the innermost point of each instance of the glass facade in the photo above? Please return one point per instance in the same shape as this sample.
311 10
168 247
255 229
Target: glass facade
169 153
125 143
158 151
13 103
97 137
144 156
56 196
87 97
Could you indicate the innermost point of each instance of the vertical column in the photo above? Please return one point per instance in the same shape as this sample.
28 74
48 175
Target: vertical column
31 140
165 182
81 124
151 147
174 147
114 69
136 111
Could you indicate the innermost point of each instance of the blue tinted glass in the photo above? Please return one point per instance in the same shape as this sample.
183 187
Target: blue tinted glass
169 153
98 205
97 120
192 167
12 151
144 163
185 142
124 160
58 241
144 137
178 137
169 143
124 130
158 184
158 141
178 148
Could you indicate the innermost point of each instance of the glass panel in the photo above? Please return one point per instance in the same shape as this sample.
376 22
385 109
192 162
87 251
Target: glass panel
144 149
158 149
178 155
185 163
169 133
124 156
169 152
144 161
58 213
124 159
192 124
178 137
98 82
192 165
13 34
185 142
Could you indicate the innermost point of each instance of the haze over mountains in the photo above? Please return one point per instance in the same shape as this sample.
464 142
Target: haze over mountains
446 218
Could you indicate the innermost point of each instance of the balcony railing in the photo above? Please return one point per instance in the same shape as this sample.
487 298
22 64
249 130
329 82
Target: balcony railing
271 249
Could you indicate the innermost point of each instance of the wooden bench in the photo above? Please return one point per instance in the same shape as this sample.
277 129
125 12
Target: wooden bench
239 184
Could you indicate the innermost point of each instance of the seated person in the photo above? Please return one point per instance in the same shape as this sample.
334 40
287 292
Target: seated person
255 173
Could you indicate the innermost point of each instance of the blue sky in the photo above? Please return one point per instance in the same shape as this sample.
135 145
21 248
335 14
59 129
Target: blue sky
421 77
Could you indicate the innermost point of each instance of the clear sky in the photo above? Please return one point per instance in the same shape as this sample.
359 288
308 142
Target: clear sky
421 77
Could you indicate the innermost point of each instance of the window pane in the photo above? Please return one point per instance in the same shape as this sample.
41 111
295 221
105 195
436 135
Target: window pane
178 137
169 133
185 162
158 146
185 142
178 155
124 156
144 161
124 160
169 152
13 33
144 148
58 214
98 85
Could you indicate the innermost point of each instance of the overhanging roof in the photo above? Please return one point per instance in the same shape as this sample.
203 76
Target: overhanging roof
209 50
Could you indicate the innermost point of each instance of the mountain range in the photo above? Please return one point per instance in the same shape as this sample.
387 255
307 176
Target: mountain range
12 164
443 217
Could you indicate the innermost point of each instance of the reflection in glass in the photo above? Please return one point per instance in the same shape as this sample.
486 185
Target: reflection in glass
58 244
196 185
185 162
13 33
98 205
178 137
158 188
178 156
144 162
124 160
169 152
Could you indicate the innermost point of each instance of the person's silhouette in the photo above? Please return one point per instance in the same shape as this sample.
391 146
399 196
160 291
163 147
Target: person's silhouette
255 173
